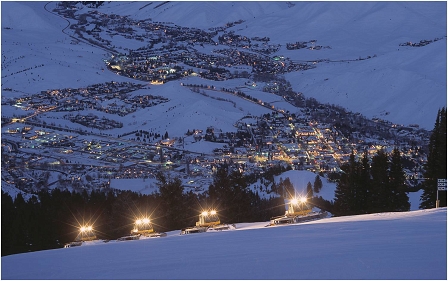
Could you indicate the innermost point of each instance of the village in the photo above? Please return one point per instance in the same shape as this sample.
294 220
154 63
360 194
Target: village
169 52
86 152
40 155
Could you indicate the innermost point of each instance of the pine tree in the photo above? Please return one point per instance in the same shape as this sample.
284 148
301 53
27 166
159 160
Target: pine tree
345 194
8 218
240 198
230 196
364 190
172 201
435 167
317 184
219 191
381 194
289 188
21 231
397 183
342 193
309 190
281 188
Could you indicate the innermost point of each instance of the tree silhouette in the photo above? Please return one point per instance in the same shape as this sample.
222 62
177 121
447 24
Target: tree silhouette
171 201
317 184
364 188
397 183
309 190
435 167
381 194
346 189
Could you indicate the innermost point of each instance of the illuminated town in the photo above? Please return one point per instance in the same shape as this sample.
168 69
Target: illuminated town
237 140
91 146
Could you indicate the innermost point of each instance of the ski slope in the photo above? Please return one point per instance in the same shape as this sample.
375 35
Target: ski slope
408 245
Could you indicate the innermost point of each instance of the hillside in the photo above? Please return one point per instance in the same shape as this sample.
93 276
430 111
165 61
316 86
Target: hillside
403 85
406 85
408 245
363 56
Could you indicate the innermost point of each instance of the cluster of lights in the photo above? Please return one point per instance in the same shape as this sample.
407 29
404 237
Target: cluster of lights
86 228
142 221
296 201
205 213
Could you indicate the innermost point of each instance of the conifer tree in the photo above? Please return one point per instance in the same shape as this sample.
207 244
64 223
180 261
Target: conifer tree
435 167
364 193
21 232
381 194
280 187
397 183
289 188
309 190
345 193
240 198
219 191
317 184
172 201
8 217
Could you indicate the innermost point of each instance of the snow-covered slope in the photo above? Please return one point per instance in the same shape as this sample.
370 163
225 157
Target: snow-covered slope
403 84
38 56
409 245
406 85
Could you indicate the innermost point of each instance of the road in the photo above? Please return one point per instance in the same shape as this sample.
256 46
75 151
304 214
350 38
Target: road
79 39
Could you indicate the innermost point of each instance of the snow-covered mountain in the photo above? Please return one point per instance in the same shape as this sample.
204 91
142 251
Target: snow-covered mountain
403 84
408 245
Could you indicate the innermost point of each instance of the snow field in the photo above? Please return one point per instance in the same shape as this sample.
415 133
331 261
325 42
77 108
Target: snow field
409 245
